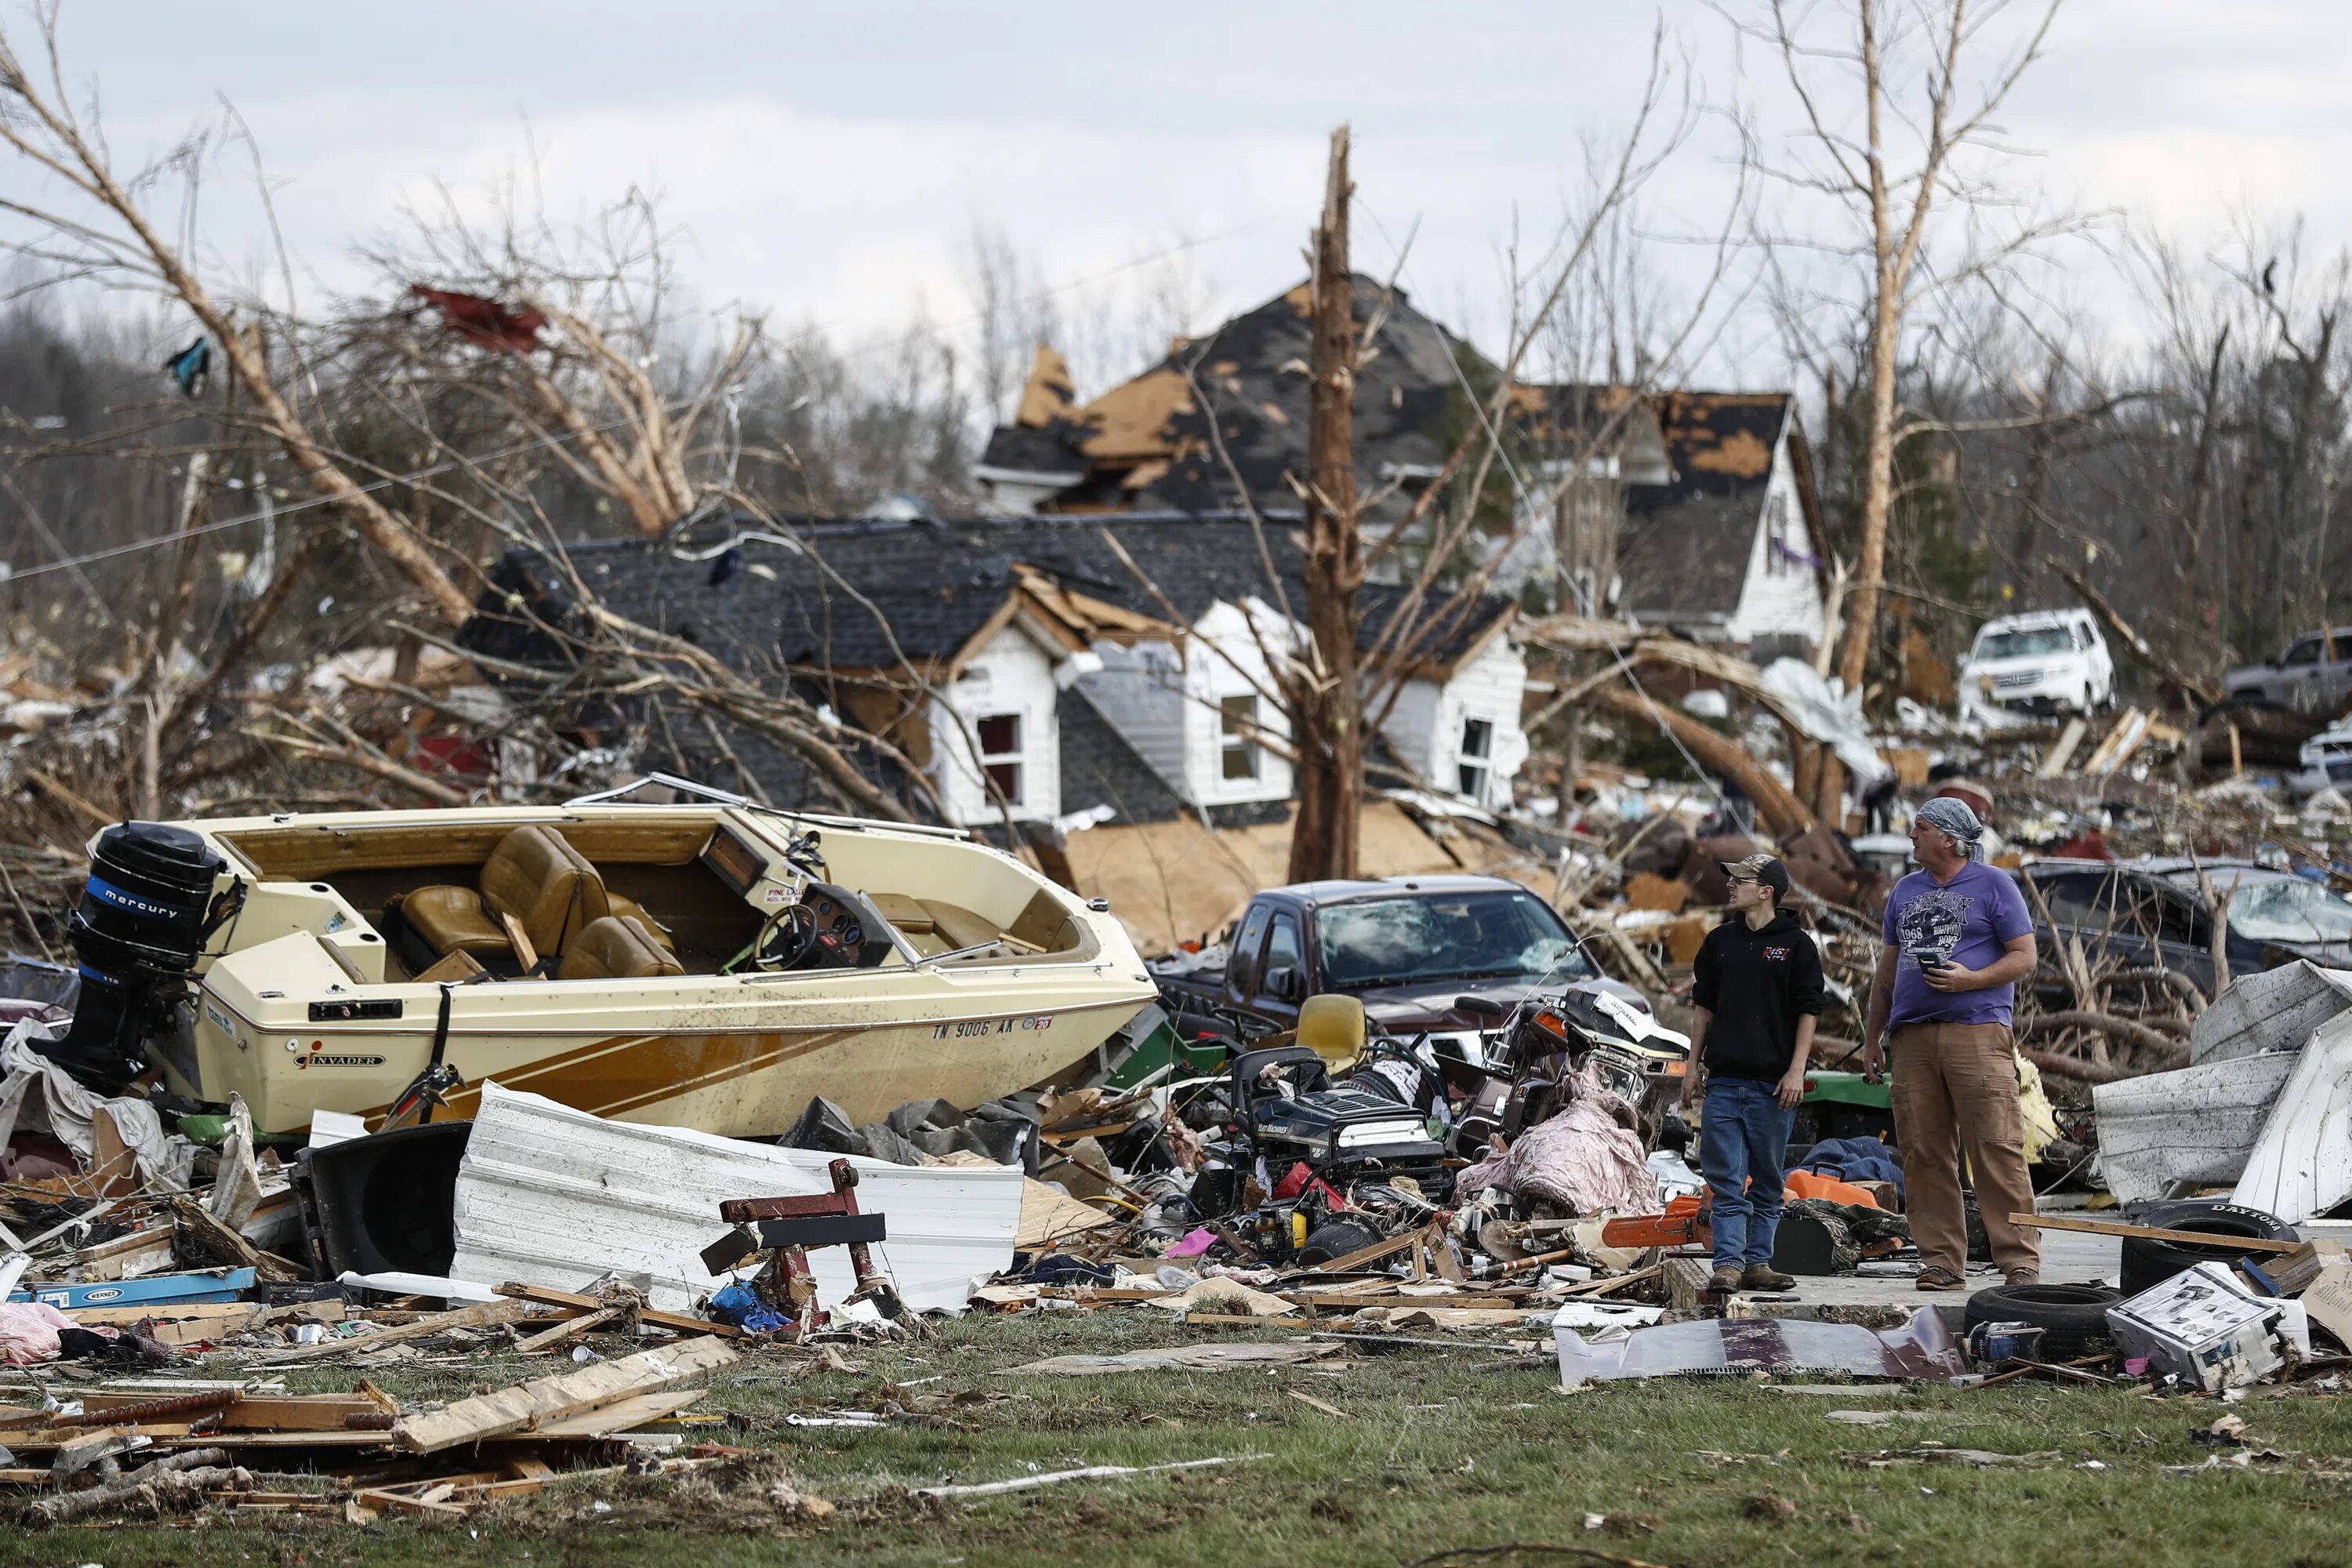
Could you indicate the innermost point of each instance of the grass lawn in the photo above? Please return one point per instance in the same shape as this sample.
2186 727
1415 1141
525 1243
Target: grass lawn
1432 1453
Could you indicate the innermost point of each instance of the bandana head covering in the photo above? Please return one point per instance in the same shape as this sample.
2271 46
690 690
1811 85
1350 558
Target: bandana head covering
1953 817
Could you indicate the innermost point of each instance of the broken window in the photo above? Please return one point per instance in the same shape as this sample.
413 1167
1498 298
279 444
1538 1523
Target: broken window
1236 735
999 755
1477 751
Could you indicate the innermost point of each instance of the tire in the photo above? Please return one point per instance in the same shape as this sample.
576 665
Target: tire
2148 1263
2072 1317
1335 1238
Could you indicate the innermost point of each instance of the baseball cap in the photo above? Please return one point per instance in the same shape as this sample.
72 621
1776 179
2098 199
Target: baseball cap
1761 868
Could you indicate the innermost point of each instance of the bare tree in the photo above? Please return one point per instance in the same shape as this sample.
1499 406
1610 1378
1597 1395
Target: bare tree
1889 180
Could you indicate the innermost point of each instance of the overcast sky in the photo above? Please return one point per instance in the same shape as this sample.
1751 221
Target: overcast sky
826 163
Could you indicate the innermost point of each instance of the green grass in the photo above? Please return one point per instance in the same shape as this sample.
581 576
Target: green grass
1434 1454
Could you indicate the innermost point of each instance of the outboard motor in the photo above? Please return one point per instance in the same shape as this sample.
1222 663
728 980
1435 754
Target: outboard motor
139 930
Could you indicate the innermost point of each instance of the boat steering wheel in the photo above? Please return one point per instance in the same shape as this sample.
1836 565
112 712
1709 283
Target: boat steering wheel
818 925
786 938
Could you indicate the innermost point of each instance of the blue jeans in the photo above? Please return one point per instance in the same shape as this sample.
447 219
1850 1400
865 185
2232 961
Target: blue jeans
1743 1132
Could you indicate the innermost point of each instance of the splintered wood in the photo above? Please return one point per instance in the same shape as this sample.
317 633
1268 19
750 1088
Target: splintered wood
530 1405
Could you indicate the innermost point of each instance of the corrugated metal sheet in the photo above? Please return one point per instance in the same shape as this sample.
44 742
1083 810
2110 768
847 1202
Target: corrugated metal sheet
550 1195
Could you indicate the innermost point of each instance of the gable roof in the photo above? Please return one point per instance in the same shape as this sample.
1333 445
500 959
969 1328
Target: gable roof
1684 548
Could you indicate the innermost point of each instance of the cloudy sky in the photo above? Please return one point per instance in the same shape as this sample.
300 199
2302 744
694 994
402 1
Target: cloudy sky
827 162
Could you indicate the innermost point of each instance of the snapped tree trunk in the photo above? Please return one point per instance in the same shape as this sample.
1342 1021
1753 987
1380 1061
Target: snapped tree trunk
1327 699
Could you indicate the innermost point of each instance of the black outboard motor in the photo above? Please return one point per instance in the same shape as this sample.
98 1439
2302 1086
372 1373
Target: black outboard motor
139 930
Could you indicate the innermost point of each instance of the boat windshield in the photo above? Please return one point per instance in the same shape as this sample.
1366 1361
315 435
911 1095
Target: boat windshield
1498 935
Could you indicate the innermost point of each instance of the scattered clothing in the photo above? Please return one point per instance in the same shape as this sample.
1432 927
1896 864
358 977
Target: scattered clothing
1852 1160
1584 1159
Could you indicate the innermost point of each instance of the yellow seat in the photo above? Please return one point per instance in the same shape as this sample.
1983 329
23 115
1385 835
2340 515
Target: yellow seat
617 948
1332 1027
533 875
960 926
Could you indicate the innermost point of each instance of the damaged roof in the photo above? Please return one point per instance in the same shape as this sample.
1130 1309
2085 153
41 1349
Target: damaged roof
1147 444
868 596
1685 546
858 598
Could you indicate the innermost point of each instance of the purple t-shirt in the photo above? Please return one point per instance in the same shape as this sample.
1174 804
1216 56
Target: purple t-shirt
1967 920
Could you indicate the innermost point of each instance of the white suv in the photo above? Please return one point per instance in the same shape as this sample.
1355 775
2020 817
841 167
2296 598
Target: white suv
2037 666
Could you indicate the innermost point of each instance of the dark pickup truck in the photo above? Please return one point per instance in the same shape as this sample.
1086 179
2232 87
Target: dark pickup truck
1409 946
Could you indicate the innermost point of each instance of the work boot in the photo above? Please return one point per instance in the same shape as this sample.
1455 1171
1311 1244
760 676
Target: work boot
2025 1277
1725 1279
1764 1277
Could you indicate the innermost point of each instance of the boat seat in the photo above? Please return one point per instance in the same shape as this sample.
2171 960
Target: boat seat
533 875
907 913
960 926
629 909
617 948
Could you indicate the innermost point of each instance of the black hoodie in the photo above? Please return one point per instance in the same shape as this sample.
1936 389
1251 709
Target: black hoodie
1756 984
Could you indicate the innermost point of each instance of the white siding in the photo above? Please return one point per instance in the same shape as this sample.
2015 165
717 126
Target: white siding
1781 594
1141 690
1225 661
1011 675
1427 726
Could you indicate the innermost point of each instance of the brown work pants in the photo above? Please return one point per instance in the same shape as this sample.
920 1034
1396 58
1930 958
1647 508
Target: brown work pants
1957 1083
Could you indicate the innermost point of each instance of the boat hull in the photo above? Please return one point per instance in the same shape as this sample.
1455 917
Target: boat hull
746 1079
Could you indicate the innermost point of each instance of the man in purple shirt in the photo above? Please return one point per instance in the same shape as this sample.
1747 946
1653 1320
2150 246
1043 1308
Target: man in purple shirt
1957 940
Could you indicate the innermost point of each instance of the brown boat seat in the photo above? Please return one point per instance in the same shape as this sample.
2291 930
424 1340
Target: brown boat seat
617 948
533 875
907 913
629 907
958 925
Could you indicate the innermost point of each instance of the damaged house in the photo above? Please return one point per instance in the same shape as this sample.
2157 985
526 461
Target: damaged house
1690 511
1055 680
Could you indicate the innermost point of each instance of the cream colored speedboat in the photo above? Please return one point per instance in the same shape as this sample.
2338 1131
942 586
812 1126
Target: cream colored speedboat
703 965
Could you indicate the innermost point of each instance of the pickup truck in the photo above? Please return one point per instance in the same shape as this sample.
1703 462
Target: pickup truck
1408 946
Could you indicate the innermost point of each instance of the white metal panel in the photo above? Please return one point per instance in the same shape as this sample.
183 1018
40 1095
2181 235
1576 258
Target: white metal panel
2197 1124
2275 1010
2301 1166
550 1195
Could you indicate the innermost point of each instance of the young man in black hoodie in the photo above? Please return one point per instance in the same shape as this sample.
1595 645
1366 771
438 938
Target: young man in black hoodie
1756 986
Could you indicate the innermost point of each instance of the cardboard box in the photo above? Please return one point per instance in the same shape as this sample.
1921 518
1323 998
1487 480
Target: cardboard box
2328 1299
2203 1326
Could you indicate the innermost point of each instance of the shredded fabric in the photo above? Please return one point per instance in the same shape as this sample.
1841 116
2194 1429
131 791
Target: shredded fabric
1582 1159
37 1094
29 1331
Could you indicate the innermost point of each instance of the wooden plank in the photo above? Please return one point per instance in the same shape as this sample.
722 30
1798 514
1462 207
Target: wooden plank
230 1247
383 1500
587 1322
1373 1253
235 1312
625 1415
548 1296
2150 1233
530 1406
482 1315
